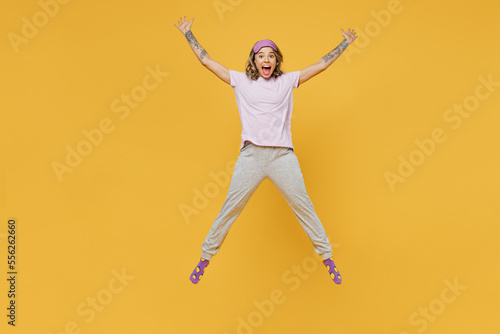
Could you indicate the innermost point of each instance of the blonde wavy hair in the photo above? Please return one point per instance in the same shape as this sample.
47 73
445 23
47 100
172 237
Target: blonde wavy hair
253 72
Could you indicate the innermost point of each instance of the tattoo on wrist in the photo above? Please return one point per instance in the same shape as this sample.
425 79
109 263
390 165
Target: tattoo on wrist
192 40
337 51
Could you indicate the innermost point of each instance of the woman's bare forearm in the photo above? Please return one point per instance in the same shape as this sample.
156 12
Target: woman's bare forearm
331 56
198 50
215 67
322 64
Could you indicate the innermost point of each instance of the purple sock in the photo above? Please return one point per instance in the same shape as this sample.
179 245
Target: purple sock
332 269
199 271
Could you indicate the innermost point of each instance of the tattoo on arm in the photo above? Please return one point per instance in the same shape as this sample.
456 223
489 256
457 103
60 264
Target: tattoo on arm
337 51
192 40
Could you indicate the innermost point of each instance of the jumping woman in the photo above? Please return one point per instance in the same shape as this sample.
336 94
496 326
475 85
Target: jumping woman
264 99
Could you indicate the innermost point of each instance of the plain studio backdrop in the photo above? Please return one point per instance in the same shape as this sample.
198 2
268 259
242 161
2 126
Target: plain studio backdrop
118 146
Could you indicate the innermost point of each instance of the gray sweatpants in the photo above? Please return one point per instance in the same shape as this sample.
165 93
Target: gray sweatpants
281 166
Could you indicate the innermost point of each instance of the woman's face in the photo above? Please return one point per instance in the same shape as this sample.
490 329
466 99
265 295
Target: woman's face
265 60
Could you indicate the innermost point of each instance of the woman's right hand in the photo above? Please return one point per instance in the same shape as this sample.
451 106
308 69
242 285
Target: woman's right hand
184 26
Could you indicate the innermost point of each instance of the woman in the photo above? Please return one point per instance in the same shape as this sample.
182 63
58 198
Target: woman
264 99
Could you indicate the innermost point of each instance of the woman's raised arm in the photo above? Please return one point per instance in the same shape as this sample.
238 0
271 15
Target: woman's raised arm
329 58
218 69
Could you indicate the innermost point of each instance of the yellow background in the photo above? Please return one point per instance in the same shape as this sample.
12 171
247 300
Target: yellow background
119 209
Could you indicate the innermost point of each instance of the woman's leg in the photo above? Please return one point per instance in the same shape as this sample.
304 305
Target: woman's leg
285 173
247 176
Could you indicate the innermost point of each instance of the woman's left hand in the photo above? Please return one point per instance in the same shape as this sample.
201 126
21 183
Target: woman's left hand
350 35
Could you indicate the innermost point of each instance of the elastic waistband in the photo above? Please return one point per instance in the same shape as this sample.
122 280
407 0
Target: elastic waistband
262 146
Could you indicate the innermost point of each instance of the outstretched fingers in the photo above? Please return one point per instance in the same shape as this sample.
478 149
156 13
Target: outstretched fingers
183 25
350 35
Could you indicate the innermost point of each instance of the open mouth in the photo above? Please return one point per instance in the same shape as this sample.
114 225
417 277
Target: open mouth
266 69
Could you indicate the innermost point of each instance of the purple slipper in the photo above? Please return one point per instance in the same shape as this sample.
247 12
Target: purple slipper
199 271
332 269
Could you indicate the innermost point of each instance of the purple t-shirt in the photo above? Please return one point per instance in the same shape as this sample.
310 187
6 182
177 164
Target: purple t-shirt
265 107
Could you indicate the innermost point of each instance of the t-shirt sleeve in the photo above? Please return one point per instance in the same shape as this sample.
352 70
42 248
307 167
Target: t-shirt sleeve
294 78
235 77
